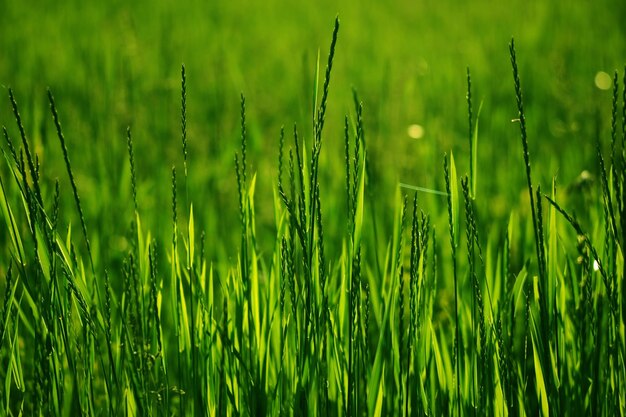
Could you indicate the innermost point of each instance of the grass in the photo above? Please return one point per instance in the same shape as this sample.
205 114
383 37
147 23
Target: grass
324 309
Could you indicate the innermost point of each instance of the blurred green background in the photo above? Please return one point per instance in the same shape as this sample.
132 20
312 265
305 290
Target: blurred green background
115 64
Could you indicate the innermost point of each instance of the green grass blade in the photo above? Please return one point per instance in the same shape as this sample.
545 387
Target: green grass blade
11 225
542 395
422 189
454 192
359 209
474 154
192 238
316 81
378 405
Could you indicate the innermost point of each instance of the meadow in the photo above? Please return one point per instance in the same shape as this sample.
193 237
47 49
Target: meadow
264 208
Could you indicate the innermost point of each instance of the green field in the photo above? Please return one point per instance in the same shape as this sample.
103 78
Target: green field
264 208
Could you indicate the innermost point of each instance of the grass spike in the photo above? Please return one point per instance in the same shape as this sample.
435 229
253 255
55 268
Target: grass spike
524 138
606 192
244 134
131 158
31 165
66 157
470 132
578 228
281 148
329 66
10 145
183 115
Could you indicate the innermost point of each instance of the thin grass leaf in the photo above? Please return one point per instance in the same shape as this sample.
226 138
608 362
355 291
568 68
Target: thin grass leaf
474 153
542 394
359 208
192 239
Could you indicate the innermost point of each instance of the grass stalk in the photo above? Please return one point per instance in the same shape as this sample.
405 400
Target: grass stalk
450 177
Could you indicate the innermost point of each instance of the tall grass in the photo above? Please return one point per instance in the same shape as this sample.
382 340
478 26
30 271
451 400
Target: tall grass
298 329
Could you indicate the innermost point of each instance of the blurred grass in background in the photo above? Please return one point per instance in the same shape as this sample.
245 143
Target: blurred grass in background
117 64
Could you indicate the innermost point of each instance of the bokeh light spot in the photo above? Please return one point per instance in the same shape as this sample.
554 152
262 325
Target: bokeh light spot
603 80
415 131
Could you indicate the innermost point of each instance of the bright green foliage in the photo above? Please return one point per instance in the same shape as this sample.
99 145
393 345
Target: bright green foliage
337 315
